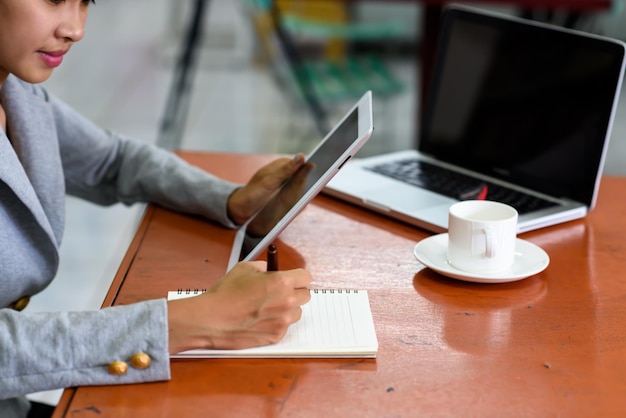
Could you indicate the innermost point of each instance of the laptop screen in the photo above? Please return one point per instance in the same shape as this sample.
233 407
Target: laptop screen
525 103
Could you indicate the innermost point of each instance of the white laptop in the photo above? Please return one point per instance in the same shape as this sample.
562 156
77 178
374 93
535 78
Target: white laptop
327 158
517 111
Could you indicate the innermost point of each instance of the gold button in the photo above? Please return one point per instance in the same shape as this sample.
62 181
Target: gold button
21 303
118 368
140 361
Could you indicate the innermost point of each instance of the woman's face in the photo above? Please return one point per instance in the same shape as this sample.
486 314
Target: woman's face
35 34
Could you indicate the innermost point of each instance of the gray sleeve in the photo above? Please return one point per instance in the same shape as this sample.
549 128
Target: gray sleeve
44 351
106 168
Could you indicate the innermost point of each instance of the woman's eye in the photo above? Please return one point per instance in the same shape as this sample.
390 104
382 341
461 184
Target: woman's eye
84 2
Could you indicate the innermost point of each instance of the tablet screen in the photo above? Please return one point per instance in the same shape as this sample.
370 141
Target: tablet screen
321 165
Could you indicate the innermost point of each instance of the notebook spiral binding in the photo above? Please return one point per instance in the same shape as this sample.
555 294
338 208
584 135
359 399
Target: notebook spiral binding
334 291
189 291
196 291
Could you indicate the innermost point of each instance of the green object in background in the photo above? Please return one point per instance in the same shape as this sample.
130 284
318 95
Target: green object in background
350 31
336 81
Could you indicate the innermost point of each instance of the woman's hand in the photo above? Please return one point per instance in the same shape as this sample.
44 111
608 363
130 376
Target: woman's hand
247 200
248 307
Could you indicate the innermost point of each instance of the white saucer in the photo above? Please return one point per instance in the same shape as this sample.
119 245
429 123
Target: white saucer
529 260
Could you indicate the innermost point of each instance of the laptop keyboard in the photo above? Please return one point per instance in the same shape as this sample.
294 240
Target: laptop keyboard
457 185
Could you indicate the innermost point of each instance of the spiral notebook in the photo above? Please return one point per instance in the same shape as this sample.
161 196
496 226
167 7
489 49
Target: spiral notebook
334 324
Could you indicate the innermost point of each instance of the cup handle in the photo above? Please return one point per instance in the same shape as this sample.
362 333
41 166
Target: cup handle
490 242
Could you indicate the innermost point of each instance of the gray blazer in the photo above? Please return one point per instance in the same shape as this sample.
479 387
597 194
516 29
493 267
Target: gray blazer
50 150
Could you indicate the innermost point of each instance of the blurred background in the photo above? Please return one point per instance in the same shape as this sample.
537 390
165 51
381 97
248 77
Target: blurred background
238 84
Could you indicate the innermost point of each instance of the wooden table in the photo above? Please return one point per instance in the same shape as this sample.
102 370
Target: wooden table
551 345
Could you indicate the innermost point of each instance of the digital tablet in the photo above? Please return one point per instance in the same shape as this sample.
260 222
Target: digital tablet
343 141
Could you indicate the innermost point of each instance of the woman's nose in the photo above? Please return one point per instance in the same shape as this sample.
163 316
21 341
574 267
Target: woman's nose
72 24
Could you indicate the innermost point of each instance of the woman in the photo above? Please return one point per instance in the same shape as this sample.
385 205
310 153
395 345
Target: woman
47 150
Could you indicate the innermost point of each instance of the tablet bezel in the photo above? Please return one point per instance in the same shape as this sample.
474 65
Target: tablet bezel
365 129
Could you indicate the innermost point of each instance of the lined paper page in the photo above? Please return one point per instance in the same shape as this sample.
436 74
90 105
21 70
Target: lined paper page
335 323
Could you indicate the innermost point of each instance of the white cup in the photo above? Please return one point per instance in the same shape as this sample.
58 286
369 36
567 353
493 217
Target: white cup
481 236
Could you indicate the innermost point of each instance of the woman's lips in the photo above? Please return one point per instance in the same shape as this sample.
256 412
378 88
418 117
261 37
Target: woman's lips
52 59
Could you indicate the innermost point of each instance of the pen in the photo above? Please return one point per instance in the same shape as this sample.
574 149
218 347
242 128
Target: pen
272 258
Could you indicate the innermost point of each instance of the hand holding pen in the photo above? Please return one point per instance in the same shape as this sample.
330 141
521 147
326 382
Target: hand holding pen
247 307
